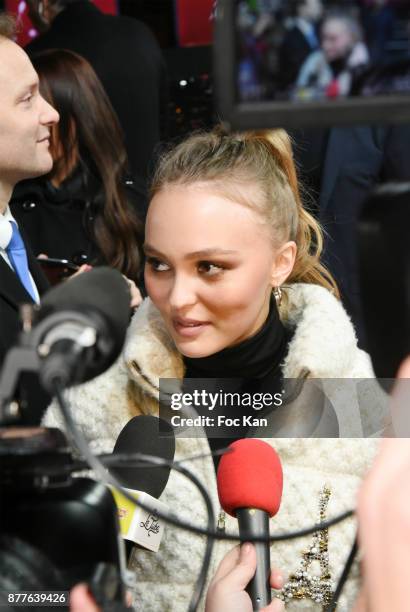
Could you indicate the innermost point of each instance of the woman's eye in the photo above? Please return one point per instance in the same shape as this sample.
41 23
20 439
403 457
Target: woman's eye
27 98
157 265
208 268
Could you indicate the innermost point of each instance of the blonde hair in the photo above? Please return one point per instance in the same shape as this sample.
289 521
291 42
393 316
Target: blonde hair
261 159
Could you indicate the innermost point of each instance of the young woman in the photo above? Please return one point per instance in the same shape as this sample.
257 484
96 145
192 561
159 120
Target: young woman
87 209
225 231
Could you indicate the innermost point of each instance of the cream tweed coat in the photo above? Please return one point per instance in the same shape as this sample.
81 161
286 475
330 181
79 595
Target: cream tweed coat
324 344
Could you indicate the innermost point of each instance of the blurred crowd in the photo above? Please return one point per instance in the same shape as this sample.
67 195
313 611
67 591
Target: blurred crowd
313 49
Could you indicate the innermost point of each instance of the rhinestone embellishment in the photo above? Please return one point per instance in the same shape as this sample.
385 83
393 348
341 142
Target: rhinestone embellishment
305 584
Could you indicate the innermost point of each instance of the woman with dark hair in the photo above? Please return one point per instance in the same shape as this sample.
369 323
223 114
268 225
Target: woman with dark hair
87 209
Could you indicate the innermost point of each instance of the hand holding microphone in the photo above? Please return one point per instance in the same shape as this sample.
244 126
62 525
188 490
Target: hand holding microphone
81 600
250 482
227 589
226 592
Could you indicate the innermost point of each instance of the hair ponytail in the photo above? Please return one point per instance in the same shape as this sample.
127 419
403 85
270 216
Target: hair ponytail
308 234
307 268
264 160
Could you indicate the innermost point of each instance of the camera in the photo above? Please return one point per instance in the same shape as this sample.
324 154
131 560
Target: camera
57 530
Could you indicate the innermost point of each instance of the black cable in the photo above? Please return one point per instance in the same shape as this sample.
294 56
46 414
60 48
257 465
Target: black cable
190 458
347 567
140 460
98 467
136 460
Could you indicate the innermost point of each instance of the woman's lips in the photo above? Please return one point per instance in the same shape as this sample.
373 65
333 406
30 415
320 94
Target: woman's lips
189 328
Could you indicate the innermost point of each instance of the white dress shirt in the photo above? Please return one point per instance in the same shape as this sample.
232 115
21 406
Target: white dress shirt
6 232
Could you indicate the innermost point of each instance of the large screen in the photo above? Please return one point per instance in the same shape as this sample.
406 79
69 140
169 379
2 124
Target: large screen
295 62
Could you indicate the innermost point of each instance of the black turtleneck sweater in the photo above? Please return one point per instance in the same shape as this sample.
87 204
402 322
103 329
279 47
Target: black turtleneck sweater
252 366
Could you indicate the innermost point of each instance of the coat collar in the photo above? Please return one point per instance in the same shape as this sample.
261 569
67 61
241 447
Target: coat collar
321 346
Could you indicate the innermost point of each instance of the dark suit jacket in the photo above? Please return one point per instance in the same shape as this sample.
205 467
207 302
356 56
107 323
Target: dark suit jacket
127 59
292 53
356 160
12 294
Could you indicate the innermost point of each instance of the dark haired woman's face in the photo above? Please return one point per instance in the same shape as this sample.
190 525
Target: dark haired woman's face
210 267
58 153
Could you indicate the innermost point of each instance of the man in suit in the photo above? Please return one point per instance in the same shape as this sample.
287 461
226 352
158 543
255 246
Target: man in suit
25 123
341 166
127 59
300 39
357 159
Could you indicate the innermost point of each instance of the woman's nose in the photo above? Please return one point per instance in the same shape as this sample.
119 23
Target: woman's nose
182 293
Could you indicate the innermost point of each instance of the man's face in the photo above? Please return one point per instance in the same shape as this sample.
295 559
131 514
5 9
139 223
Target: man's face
311 10
25 118
337 39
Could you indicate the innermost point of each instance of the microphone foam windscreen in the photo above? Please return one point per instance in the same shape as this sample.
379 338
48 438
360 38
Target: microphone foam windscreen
250 476
142 435
103 290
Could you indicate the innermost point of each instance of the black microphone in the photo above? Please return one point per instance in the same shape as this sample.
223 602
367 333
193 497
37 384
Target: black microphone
150 436
80 328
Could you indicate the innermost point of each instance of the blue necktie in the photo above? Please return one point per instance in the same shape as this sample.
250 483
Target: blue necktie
16 252
312 39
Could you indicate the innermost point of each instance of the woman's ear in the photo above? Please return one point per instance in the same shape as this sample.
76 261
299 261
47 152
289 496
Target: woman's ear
283 263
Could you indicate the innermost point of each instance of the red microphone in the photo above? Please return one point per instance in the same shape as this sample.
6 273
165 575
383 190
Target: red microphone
250 482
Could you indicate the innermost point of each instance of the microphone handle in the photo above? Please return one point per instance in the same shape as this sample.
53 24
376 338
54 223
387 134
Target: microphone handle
256 523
